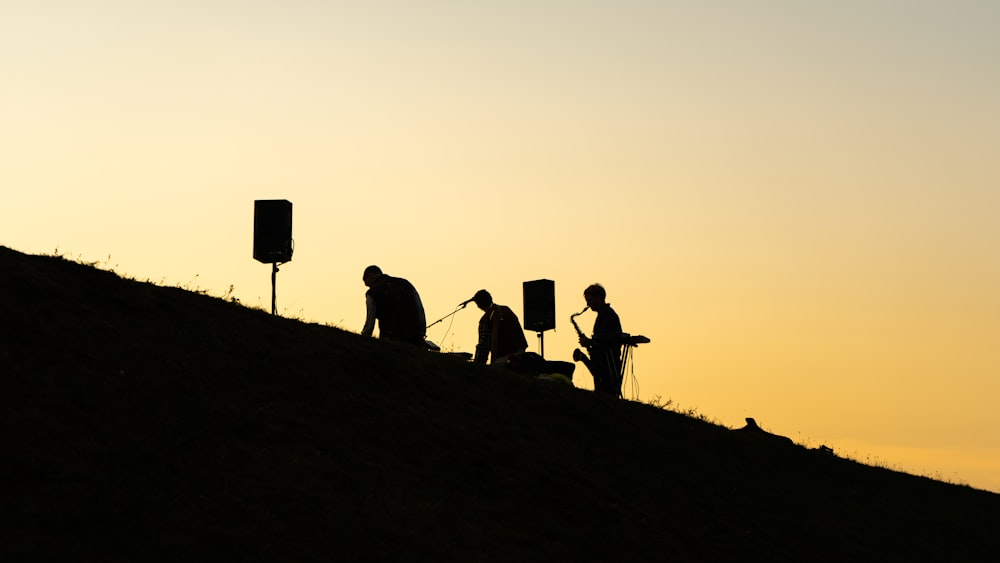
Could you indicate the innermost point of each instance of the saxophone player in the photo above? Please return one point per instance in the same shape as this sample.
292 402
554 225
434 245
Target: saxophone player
604 345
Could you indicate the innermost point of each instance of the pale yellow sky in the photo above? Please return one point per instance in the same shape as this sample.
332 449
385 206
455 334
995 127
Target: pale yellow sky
796 201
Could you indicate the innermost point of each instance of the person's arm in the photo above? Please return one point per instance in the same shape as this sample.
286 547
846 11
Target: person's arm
607 330
485 337
370 318
422 319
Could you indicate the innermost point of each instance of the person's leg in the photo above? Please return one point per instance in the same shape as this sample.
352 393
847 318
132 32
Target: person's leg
580 356
610 376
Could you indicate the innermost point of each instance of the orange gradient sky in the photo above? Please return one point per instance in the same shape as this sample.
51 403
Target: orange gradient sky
798 202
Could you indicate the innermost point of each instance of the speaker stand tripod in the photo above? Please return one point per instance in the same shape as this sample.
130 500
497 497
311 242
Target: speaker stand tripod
274 288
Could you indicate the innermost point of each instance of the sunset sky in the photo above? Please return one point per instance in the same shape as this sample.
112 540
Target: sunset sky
798 202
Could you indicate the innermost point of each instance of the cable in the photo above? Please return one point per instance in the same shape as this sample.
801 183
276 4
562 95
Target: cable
628 368
450 323
448 331
634 379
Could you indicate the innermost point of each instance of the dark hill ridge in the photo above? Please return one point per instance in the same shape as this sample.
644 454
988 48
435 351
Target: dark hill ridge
142 422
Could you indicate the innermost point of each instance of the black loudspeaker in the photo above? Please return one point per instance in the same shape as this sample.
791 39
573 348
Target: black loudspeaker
539 305
272 230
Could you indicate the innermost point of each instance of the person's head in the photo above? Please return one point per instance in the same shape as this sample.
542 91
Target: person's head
482 299
371 274
595 295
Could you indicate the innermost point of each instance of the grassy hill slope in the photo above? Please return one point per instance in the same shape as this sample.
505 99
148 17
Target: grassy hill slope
142 422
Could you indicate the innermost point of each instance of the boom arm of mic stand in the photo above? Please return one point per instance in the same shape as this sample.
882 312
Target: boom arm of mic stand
446 316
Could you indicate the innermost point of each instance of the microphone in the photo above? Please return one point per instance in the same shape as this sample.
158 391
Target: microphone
482 294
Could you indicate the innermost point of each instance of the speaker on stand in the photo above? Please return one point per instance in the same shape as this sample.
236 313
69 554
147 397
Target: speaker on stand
540 308
272 238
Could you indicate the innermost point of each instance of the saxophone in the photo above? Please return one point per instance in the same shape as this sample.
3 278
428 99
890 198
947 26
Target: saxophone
572 319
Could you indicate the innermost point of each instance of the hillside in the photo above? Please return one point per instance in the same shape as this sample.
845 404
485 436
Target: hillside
144 422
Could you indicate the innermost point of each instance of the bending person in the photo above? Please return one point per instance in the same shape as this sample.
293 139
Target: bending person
500 332
395 303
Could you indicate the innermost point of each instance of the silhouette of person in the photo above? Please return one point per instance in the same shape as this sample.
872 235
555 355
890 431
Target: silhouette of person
605 344
500 332
395 303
